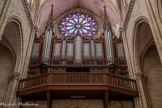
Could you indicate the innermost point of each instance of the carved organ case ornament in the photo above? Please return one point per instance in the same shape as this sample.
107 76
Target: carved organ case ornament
77 41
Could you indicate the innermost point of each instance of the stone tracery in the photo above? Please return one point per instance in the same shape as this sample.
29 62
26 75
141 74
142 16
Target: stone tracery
87 25
78 24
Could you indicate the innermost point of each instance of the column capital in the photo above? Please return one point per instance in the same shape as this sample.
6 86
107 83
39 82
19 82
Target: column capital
121 29
14 76
141 76
35 28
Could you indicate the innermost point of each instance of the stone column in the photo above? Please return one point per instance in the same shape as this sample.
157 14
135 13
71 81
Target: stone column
132 72
11 93
141 80
19 73
28 52
127 53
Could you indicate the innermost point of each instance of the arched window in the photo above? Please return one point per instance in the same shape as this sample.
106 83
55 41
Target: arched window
78 24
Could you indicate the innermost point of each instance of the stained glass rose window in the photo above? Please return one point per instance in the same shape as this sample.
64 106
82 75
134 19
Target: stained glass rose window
78 24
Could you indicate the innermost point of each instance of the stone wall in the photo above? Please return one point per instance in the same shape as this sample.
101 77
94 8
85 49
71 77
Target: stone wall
152 68
6 65
135 44
155 10
21 42
121 104
139 11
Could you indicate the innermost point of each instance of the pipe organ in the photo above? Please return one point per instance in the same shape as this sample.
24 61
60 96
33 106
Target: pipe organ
46 45
77 52
78 47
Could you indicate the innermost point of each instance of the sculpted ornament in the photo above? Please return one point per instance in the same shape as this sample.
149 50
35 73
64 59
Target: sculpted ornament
141 76
14 76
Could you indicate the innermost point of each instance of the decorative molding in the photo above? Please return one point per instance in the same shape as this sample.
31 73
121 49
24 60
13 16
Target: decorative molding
35 28
28 13
141 76
14 76
121 29
126 20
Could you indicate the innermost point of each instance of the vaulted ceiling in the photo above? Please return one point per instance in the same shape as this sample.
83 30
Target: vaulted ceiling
94 6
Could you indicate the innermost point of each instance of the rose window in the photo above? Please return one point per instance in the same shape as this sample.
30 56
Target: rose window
78 24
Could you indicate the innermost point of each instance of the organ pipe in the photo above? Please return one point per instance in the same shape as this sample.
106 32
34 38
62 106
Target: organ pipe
109 46
47 45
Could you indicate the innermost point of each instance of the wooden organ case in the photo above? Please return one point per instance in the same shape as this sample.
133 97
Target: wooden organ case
82 54
93 56
99 52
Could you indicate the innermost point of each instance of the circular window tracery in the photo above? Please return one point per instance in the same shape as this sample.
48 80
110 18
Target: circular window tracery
78 24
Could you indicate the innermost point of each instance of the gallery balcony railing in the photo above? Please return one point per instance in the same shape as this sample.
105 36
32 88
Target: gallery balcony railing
70 79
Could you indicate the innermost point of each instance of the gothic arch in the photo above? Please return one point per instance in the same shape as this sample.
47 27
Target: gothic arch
144 46
12 36
136 58
19 36
137 73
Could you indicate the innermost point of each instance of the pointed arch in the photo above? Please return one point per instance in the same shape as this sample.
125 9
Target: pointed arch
144 50
13 38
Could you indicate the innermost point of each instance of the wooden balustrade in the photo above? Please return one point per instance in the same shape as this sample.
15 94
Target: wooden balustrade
79 79
33 82
121 82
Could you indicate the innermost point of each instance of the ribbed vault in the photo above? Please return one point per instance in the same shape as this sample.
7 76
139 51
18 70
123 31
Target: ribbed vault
62 6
